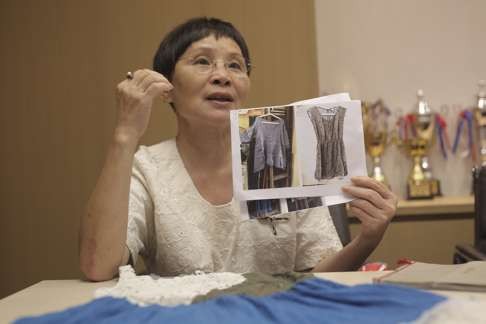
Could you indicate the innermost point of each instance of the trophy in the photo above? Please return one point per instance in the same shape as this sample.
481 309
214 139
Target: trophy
375 122
480 117
420 183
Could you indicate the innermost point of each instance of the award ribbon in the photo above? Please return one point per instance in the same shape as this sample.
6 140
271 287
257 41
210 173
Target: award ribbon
465 116
441 126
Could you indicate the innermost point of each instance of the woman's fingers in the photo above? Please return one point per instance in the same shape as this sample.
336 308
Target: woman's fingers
379 199
360 214
371 183
154 78
364 217
372 229
158 89
367 207
139 76
364 193
385 206
151 83
145 83
135 98
374 206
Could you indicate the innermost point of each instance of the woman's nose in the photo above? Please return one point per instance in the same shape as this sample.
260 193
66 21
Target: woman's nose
220 74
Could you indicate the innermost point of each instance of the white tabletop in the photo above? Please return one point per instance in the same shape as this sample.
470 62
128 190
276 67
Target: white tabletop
55 295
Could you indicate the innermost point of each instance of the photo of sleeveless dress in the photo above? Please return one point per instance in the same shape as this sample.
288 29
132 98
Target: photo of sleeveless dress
330 153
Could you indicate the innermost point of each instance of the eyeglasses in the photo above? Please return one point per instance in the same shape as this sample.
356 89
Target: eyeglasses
205 65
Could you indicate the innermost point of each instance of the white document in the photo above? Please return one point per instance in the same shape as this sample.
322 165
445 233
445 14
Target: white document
353 157
318 190
305 159
340 198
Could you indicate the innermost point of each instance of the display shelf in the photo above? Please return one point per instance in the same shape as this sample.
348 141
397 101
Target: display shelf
435 206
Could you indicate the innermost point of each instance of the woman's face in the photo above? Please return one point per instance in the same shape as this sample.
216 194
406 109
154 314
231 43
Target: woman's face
209 80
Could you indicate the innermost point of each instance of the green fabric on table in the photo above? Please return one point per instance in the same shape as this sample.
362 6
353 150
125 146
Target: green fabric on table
258 284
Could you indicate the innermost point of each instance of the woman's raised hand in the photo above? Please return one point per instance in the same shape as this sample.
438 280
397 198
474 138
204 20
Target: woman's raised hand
374 206
135 97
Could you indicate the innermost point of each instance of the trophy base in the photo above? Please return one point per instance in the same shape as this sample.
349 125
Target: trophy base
419 190
435 187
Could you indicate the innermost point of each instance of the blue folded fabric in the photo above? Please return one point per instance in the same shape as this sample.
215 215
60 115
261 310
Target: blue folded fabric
308 301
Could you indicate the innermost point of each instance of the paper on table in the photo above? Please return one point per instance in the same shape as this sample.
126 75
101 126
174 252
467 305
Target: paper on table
467 276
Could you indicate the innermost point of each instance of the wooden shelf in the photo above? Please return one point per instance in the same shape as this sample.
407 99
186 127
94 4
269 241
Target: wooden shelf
435 206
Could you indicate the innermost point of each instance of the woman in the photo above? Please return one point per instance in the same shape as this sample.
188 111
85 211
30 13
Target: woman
173 203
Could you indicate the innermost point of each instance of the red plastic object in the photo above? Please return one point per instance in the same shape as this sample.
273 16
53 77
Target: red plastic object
404 261
373 266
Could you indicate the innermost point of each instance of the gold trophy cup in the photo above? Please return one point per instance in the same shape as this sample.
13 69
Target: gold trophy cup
376 136
420 183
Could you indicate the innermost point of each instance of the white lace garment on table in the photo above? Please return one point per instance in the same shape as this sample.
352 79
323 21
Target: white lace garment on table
461 309
148 290
178 232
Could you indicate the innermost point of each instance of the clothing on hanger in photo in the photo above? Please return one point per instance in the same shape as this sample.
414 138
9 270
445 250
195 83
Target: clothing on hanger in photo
330 153
269 146
263 208
294 204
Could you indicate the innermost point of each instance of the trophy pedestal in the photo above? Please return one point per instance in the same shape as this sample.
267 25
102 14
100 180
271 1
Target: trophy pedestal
423 188
419 189
435 187
420 184
434 183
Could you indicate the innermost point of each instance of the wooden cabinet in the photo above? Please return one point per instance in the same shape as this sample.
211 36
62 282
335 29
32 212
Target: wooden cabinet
425 230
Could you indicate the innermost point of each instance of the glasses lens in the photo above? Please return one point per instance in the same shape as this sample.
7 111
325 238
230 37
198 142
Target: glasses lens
237 66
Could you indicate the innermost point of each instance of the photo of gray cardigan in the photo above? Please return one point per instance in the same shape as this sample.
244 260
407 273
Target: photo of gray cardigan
330 153
271 144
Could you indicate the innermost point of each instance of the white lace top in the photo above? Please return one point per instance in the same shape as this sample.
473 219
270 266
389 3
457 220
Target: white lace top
178 232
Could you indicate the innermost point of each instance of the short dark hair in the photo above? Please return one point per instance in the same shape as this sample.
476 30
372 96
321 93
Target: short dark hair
176 42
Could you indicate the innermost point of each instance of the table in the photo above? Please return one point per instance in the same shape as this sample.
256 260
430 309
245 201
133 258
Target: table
54 295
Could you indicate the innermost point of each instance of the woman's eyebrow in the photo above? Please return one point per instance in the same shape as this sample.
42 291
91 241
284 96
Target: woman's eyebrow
202 49
211 49
236 54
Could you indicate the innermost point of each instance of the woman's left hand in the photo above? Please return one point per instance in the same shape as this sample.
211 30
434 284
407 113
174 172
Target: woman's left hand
374 206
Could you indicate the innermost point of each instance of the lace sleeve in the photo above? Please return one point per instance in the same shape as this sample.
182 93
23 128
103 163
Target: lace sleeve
317 237
140 207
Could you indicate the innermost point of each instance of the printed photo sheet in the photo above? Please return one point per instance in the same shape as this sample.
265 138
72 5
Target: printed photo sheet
296 151
284 153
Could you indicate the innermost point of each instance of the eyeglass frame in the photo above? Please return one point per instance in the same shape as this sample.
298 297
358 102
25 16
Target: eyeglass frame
213 63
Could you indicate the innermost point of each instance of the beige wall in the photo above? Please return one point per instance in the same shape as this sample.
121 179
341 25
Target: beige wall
60 62
389 49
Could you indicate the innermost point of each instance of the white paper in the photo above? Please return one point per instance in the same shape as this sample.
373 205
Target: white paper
325 99
304 156
328 192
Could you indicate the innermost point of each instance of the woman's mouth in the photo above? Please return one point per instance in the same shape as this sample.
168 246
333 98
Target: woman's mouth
220 98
